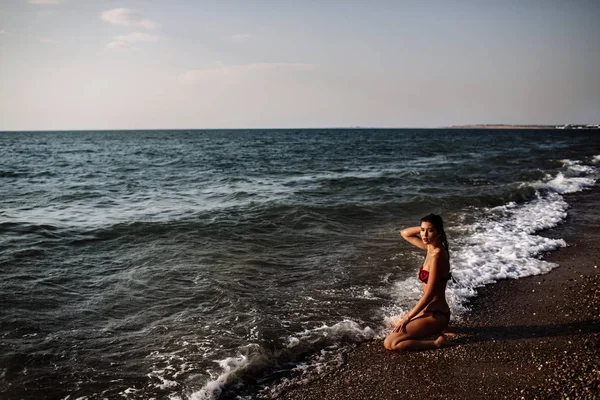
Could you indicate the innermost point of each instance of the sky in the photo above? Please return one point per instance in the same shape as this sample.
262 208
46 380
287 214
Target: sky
220 64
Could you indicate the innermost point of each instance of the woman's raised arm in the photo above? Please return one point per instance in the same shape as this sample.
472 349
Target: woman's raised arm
411 235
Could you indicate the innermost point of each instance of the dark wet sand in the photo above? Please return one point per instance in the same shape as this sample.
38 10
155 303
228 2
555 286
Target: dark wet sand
532 338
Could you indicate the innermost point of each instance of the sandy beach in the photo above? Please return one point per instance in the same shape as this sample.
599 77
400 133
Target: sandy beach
532 338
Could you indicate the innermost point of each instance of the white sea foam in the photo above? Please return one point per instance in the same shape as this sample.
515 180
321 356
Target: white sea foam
576 166
596 159
405 293
346 329
563 184
504 246
212 389
575 177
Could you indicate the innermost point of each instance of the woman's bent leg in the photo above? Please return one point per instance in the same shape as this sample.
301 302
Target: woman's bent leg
416 330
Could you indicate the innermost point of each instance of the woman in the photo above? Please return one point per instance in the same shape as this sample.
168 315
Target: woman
431 315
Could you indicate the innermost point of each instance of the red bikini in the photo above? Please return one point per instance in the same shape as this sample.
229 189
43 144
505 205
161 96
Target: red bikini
424 276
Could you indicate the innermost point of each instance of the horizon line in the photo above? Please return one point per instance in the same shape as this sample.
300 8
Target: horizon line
357 127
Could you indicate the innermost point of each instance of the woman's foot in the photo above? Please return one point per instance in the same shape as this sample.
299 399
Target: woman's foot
449 332
443 341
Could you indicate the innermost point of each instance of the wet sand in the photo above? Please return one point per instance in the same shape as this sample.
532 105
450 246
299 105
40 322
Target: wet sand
531 338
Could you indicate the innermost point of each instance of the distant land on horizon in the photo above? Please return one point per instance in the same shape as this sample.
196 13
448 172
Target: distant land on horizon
508 126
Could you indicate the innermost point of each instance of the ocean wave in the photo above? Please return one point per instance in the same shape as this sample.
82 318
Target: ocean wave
574 177
306 354
273 219
26 227
562 184
213 388
503 244
13 174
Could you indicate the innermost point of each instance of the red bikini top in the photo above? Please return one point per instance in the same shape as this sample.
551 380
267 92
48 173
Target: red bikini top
424 276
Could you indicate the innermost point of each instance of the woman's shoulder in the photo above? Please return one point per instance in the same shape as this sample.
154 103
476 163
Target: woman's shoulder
436 252
440 255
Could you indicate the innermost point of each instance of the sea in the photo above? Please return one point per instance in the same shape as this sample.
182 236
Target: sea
234 264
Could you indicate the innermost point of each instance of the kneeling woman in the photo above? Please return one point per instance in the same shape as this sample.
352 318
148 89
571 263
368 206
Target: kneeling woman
431 315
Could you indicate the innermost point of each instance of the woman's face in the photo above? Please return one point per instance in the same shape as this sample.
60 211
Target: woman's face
429 234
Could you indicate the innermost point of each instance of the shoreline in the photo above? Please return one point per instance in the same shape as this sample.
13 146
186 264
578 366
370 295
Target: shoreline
533 338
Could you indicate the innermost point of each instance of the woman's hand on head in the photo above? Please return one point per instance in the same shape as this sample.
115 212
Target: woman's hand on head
412 236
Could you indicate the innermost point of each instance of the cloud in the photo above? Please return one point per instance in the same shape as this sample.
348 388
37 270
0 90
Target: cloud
238 73
124 42
116 45
127 17
240 37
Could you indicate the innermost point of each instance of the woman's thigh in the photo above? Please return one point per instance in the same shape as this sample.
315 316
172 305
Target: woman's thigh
424 326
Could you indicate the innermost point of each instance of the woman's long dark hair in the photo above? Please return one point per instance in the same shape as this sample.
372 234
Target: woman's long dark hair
438 224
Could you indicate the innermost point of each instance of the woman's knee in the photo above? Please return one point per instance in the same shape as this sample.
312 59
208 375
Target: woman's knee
394 342
387 343
391 341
